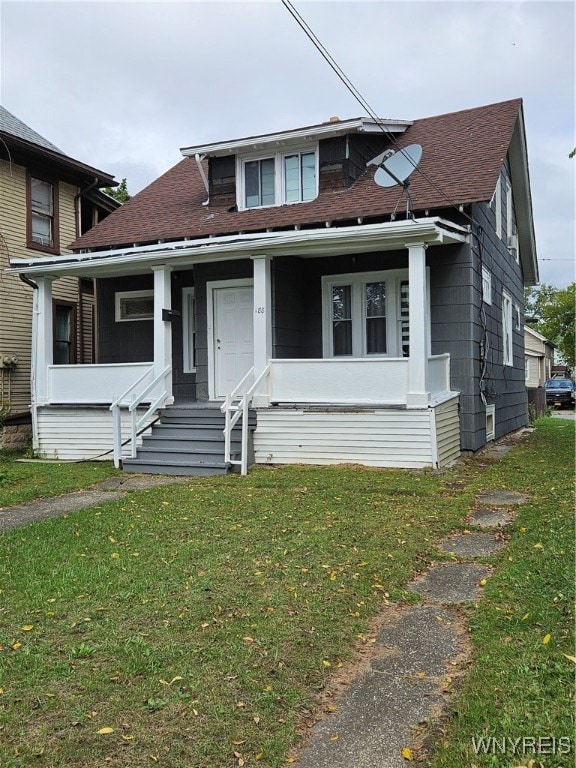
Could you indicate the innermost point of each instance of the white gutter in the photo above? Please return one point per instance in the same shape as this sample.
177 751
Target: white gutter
316 242
322 131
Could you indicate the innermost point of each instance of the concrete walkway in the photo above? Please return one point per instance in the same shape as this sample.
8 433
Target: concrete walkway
374 721
53 506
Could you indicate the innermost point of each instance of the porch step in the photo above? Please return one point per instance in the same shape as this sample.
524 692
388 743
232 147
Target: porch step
168 467
187 440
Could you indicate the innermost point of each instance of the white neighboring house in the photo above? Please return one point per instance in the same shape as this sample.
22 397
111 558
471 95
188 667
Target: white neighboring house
539 356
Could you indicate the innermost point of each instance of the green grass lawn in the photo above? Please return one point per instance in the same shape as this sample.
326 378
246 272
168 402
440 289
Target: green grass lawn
191 626
22 481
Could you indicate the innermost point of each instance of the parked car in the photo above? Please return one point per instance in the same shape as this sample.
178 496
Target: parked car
560 393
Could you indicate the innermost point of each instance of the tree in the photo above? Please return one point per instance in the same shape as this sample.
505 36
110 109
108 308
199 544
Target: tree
550 311
120 192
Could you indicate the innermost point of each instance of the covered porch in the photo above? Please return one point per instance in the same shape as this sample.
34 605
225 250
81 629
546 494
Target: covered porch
348 391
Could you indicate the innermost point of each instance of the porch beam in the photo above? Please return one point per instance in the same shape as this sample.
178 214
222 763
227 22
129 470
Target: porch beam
42 340
418 394
162 327
262 321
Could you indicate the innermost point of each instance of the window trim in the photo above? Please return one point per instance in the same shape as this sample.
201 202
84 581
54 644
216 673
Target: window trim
188 330
497 199
486 285
119 295
393 279
507 329
279 174
30 243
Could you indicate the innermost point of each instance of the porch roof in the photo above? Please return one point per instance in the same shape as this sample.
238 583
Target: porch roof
319 242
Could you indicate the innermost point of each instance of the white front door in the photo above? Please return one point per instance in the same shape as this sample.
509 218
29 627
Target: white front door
233 336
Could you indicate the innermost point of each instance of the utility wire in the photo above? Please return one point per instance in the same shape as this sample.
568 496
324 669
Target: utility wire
362 101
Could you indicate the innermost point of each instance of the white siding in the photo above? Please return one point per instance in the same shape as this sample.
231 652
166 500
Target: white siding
447 418
378 438
78 433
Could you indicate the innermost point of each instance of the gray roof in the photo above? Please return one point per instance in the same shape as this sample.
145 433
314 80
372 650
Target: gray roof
18 129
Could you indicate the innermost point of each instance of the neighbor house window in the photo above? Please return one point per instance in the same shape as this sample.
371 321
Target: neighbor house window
282 177
42 214
64 333
134 305
366 314
507 329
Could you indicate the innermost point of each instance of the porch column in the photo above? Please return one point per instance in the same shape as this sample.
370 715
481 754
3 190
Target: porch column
162 327
262 322
418 394
42 340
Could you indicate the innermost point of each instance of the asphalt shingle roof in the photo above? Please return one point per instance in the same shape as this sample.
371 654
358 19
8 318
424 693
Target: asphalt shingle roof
9 123
463 153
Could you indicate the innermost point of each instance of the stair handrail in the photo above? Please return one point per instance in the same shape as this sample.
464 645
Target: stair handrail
136 423
233 412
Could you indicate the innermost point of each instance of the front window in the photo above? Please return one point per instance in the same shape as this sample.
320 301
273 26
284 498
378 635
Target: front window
42 219
134 305
259 183
366 314
283 177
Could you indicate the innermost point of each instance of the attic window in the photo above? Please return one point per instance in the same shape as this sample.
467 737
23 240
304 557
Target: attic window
279 178
134 305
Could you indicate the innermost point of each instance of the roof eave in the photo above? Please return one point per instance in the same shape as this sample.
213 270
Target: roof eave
518 158
322 131
304 243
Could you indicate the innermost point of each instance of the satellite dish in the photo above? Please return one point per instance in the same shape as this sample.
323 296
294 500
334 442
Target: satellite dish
396 168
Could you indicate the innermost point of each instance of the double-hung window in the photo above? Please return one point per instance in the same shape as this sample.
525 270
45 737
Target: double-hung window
366 314
507 329
42 218
283 177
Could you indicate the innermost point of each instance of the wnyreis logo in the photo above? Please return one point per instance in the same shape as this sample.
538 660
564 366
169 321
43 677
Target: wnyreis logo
523 745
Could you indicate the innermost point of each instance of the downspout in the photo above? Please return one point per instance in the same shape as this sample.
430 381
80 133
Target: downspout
199 159
33 406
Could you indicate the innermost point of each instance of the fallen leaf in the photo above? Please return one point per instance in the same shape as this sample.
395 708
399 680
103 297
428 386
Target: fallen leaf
27 627
407 753
106 730
335 737
546 639
570 658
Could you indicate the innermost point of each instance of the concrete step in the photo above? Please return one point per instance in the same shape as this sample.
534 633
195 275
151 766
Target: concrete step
170 467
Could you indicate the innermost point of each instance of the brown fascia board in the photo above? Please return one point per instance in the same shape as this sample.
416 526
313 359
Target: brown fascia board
463 154
70 168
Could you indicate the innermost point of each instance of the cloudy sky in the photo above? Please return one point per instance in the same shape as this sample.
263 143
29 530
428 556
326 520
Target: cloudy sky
123 85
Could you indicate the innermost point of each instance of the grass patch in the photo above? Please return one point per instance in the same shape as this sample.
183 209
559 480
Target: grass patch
24 481
191 625
522 685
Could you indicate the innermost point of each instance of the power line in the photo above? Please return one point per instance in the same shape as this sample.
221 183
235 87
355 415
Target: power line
363 102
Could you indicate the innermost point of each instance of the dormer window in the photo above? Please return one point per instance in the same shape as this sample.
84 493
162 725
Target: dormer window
284 177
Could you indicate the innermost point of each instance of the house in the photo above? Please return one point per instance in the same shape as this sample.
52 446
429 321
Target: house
331 319
47 200
539 359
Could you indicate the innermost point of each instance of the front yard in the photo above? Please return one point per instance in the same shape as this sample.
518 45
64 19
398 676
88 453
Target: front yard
192 626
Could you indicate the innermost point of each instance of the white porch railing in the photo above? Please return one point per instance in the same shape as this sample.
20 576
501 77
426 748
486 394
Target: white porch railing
236 407
130 399
92 384
355 381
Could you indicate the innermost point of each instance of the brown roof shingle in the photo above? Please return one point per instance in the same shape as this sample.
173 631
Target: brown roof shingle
463 153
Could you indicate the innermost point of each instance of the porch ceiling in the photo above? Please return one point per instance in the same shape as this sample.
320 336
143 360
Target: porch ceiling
301 243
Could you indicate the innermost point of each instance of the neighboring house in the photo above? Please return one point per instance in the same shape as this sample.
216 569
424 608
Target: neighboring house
47 200
276 267
539 359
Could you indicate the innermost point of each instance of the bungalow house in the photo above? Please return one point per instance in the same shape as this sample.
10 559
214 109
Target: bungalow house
268 292
47 199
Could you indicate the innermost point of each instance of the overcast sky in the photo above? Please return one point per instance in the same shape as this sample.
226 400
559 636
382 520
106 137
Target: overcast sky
123 86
